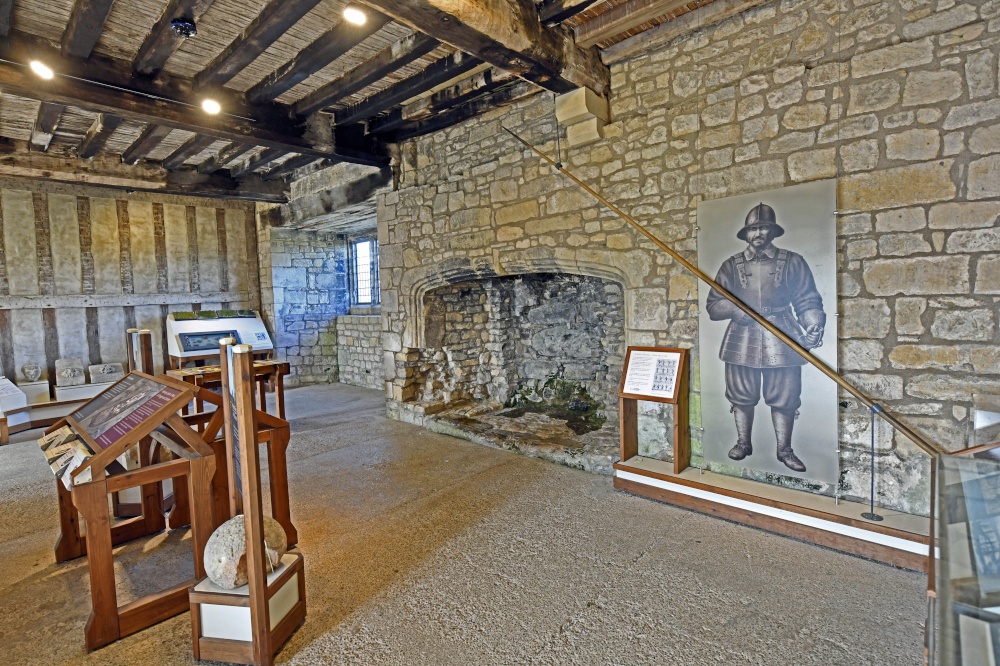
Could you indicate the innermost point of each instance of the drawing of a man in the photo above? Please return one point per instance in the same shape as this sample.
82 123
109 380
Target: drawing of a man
779 285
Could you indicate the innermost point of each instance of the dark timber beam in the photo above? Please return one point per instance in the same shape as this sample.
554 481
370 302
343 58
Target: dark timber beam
276 18
104 126
6 9
349 187
45 125
328 47
556 11
85 25
447 98
625 16
224 157
187 150
385 61
437 73
288 166
146 143
108 171
508 34
500 97
88 86
161 42
265 157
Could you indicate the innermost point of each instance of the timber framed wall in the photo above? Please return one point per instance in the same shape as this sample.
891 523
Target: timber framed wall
78 266
896 99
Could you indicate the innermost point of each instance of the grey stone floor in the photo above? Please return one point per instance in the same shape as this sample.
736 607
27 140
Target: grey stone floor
425 549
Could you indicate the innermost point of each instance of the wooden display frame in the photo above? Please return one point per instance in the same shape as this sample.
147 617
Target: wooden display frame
108 621
628 408
243 465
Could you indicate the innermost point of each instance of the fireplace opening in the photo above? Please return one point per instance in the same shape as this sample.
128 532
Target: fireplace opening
529 362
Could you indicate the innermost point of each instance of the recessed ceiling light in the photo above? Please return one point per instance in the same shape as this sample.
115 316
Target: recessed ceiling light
210 106
41 69
354 15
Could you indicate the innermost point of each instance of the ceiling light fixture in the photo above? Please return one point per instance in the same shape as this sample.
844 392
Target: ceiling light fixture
211 107
354 15
41 69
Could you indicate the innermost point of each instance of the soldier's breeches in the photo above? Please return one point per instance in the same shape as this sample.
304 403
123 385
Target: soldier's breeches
781 387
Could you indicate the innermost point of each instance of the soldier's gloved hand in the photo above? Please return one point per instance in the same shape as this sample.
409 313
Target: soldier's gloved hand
814 337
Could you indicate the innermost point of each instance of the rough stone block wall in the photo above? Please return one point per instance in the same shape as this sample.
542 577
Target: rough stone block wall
309 291
359 350
78 267
896 99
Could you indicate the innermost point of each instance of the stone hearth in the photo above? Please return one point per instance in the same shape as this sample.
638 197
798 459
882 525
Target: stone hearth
530 362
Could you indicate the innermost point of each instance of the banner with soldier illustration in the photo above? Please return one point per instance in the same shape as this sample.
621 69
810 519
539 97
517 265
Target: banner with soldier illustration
763 407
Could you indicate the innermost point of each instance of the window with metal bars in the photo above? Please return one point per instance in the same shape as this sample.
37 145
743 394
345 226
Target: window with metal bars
364 272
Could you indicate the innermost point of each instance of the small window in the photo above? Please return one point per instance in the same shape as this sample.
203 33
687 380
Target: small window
364 272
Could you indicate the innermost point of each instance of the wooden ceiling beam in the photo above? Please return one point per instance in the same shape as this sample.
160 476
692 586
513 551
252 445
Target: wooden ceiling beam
385 61
325 49
224 157
187 150
505 95
507 34
625 16
86 22
437 73
275 19
146 143
162 41
447 98
108 86
264 158
104 126
45 126
288 166
6 9
107 171
556 11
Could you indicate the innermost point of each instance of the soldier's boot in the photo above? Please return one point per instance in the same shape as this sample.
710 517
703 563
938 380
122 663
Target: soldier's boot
783 423
744 426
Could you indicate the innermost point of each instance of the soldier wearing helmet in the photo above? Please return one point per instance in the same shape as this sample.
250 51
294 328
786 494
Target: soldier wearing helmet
779 285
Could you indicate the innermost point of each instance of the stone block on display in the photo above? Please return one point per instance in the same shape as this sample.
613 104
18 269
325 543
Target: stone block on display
69 372
103 373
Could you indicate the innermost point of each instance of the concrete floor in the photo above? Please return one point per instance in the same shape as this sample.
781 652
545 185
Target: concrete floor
425 549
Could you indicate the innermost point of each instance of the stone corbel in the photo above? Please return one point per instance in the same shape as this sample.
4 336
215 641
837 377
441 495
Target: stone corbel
584 114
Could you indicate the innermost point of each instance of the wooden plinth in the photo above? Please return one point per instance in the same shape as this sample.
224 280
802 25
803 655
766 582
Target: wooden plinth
231 604
899 541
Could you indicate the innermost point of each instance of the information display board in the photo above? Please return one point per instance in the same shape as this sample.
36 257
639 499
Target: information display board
656 374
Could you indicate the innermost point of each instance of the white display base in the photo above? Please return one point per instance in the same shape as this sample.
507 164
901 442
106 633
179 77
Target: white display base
37 392
81 392
900 539
11 399
233 622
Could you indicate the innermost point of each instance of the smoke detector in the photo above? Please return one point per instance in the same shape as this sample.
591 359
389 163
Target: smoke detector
183 27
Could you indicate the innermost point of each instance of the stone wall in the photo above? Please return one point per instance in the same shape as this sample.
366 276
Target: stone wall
896 99
308 277
359 350
77 269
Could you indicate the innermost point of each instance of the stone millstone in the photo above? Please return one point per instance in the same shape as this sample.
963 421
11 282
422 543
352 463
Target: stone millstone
226 551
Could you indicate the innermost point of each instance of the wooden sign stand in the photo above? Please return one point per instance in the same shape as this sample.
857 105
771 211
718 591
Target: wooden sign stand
675 394
221 631
108 622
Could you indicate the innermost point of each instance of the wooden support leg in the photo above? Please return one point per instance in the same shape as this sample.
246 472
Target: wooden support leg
220 485
262 394
152 494
70 544
276 449
91 500
4 431
202 525
279 395
628 415
180 514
